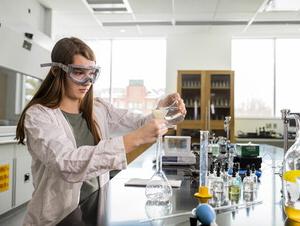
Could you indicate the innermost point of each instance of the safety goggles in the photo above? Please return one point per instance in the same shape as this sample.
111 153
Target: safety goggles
79 74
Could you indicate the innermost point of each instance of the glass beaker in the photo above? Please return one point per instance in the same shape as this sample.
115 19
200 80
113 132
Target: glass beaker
173 115
291 173
203 193
158 188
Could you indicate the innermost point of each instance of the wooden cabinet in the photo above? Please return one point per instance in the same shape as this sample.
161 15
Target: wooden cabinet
208 97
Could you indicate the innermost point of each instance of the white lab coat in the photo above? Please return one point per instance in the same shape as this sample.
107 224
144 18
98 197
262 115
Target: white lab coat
59 168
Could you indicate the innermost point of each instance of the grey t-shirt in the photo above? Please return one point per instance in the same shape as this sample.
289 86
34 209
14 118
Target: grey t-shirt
83 136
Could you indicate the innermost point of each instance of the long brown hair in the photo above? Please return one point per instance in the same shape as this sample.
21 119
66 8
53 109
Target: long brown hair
52 88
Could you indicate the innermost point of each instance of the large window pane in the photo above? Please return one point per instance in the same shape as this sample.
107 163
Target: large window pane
102 50
138 73
287 74
253 63
31 86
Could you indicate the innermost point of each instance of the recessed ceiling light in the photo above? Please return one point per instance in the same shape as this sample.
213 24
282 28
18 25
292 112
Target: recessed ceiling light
122 30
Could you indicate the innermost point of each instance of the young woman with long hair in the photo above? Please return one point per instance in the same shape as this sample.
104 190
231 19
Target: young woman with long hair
75 139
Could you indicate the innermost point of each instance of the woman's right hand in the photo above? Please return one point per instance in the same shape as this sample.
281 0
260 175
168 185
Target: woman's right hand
146 134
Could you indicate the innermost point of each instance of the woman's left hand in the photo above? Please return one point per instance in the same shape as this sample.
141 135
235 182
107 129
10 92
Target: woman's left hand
170 99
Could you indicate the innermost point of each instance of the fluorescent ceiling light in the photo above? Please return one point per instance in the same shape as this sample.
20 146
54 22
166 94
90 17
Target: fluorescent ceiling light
104 6
110 10
283 5
105 1
108 7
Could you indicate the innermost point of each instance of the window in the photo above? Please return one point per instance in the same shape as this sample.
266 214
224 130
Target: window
138 72
31 86
132 72
102 50
253 63
256 94
287 75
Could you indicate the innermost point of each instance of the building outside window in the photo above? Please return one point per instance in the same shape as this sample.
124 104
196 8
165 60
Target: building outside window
132 72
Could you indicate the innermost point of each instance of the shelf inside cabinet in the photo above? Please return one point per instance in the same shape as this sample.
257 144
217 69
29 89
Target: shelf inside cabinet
206 92
218 88
221 106
189 106
197 88
190 121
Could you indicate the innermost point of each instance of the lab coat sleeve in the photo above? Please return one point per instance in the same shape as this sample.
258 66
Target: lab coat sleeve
121 121
48 142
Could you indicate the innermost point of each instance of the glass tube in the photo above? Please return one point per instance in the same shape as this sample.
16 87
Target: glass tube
203 167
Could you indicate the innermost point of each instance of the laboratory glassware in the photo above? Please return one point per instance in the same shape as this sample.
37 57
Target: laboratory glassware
291 176
203 192
158 187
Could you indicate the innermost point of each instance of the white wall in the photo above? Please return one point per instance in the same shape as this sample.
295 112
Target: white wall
23 13
13 56
196 52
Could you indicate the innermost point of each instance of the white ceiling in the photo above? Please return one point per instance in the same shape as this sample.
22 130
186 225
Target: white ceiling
75 17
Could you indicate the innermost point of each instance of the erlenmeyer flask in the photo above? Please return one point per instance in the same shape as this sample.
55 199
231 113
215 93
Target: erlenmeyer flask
158 187
291 177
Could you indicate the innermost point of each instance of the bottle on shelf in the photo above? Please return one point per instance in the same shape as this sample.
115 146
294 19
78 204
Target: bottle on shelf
226 102
221 102
195 109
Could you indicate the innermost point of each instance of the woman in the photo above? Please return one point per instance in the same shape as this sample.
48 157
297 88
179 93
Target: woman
72 137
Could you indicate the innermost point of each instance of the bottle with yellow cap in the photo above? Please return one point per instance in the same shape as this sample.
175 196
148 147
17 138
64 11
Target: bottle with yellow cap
291 177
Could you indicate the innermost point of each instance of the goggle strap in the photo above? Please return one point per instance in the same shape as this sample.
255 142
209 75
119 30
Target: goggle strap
60 65
46 65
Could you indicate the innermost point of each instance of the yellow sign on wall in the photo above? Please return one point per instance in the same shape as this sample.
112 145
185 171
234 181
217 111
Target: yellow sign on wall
4 177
